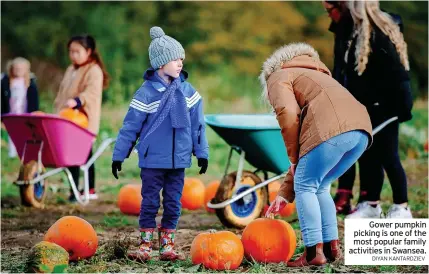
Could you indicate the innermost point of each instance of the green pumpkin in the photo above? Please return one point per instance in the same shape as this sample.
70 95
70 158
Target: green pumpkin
46 257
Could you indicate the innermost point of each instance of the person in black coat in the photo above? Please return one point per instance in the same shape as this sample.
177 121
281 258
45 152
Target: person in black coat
371 61
18 92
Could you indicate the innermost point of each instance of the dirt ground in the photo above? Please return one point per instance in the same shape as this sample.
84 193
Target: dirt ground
22 227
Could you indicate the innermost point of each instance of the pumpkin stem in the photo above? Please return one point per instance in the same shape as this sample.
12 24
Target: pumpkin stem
271 216
212 231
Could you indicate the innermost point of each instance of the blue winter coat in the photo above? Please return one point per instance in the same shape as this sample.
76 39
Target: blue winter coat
167 147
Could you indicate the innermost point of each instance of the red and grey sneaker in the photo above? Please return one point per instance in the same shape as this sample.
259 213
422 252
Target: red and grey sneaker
92 194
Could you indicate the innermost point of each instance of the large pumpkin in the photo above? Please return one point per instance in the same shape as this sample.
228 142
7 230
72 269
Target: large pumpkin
130 199
75 116
193 194
211 190
269 240
46 256
217 250
75 235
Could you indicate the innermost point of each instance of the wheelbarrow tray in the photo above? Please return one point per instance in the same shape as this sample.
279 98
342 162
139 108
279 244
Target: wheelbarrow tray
258 135
64 143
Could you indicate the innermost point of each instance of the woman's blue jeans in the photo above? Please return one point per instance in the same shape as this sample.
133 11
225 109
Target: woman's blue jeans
313 177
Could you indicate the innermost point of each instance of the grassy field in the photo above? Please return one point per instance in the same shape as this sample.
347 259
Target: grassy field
22 227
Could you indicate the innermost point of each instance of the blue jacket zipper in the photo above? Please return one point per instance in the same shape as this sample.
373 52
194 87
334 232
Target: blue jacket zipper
174 138
147 150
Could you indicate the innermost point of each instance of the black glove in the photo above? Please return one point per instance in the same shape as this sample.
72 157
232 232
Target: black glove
116 166
203 163
78 103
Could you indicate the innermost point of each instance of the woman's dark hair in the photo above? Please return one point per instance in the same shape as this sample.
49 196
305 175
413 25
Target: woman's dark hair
88 42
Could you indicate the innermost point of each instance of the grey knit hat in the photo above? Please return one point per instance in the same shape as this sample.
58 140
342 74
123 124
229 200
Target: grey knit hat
163 49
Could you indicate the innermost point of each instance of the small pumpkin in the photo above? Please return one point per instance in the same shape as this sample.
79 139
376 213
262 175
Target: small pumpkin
130 199
288 210
217 250
75 235
274 186
210 192
44 257
75 116
38 113
272 195
269 240
193 194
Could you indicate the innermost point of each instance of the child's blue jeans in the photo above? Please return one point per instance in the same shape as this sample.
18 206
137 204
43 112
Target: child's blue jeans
171 182
313 177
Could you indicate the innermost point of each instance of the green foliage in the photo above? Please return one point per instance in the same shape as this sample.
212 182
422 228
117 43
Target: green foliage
229 39
57 269
119 220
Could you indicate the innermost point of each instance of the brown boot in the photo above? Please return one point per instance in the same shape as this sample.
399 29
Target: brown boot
319 258
166 245
145 249
332 250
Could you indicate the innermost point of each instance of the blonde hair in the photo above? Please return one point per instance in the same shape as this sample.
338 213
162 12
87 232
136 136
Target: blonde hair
15 61
364 13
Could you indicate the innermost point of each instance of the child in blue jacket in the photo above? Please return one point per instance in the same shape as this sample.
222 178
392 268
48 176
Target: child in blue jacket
166 117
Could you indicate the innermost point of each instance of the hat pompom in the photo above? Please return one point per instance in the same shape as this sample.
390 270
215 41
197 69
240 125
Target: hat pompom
156 32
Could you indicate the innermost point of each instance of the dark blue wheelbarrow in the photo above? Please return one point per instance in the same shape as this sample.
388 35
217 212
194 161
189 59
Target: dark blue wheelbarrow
242 194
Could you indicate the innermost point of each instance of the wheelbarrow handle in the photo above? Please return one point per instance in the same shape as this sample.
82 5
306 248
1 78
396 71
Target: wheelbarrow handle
248 191
383 125
244 193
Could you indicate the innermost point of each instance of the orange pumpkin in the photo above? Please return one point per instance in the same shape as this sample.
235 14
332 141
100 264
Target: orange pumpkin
193 194
38 112
75 116
75 235
130 199
288 210
217 250
269 240
210 192
271 197
274 186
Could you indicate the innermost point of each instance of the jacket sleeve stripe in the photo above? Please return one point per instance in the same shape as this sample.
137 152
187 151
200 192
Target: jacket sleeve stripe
196 94
148 110
194 101
137 102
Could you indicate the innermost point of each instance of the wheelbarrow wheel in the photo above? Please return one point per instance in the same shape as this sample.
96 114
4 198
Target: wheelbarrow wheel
243 211
32 194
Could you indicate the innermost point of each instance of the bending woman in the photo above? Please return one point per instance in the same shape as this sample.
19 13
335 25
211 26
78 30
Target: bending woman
325 130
